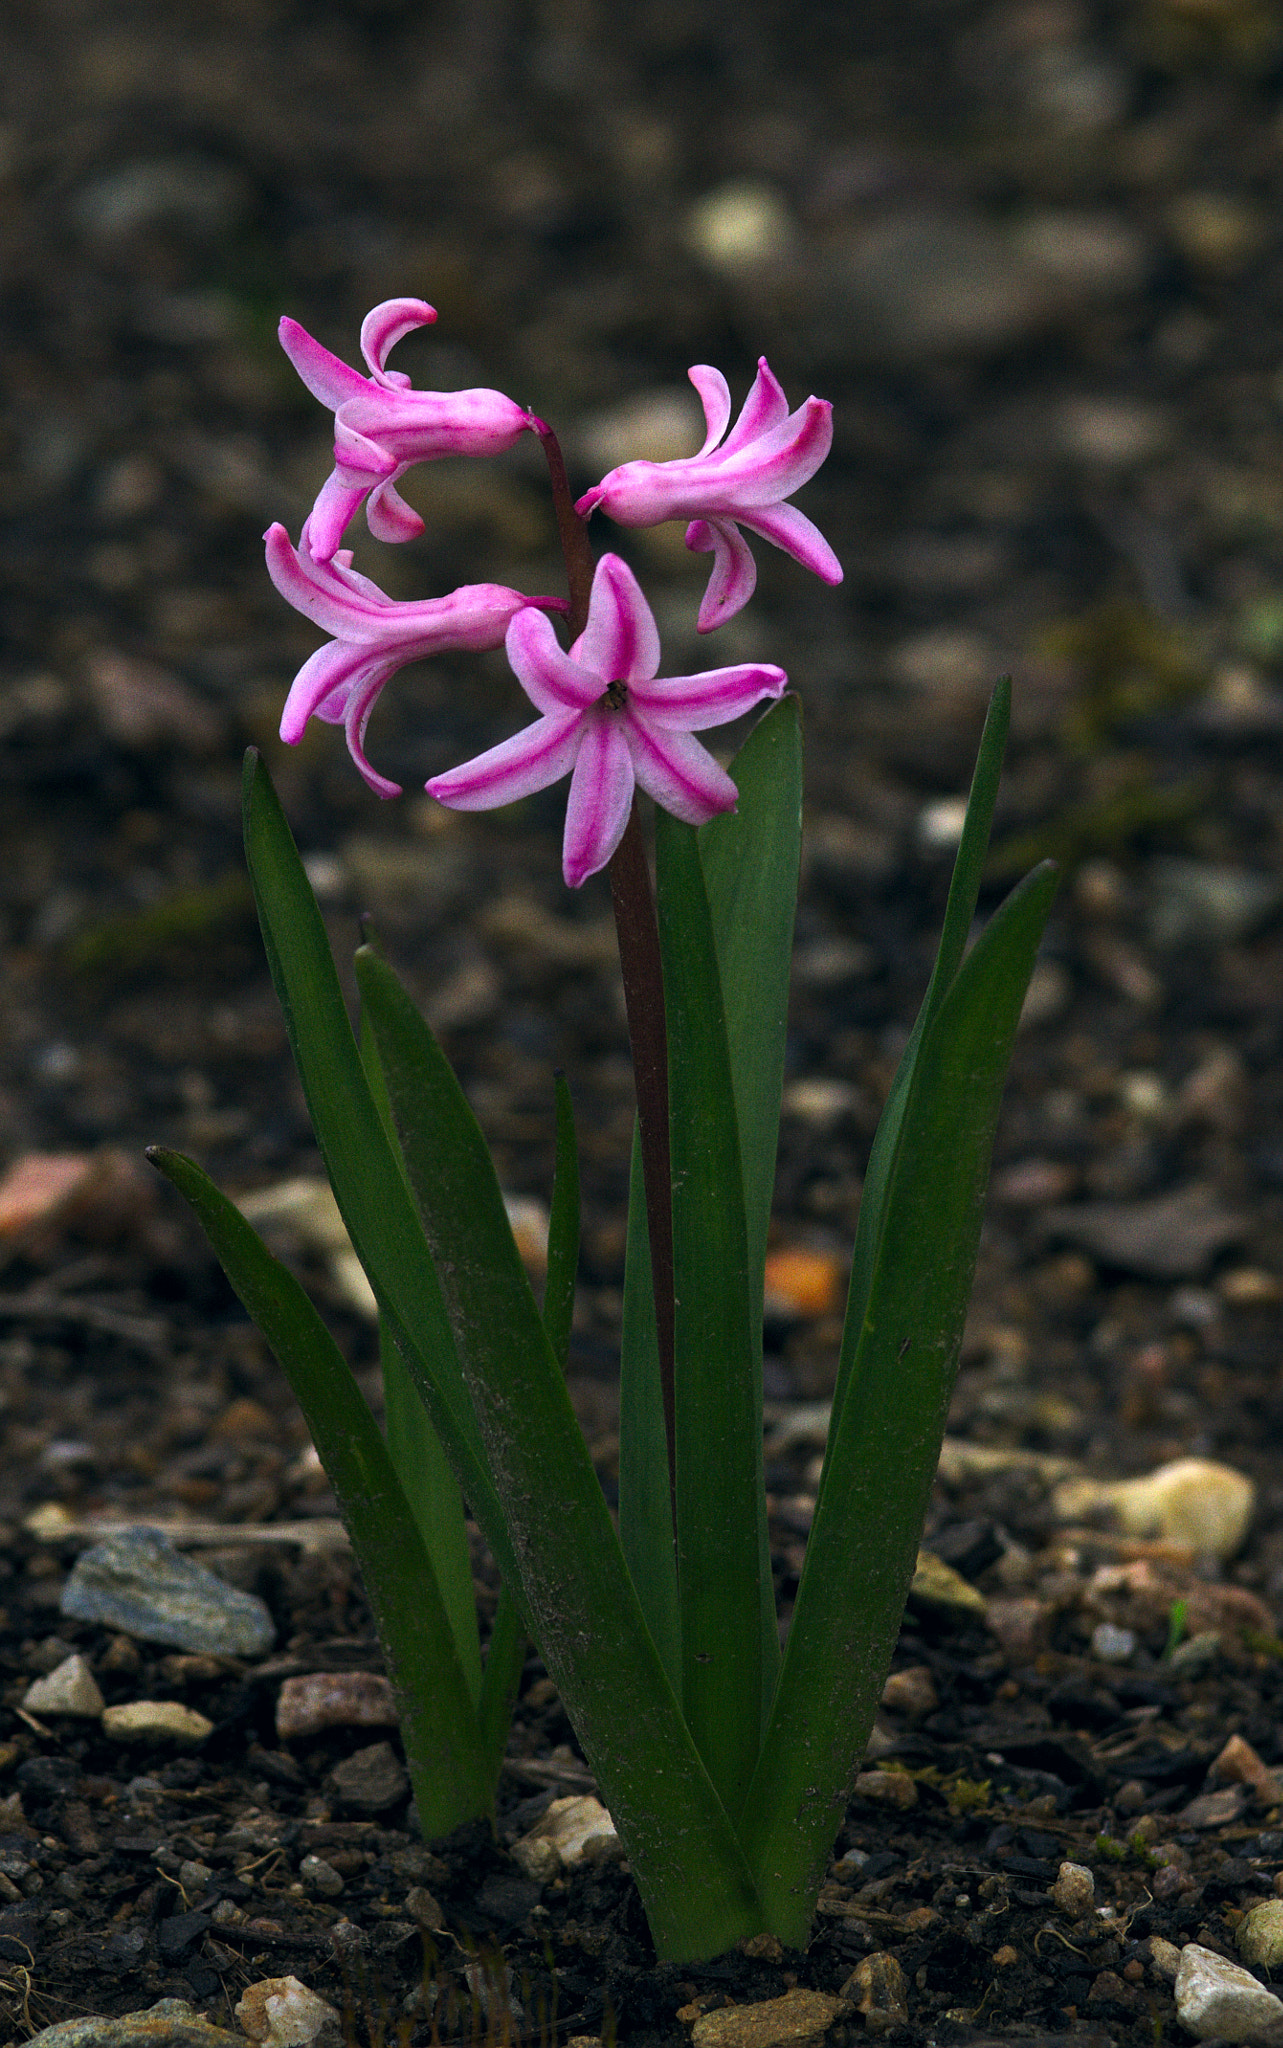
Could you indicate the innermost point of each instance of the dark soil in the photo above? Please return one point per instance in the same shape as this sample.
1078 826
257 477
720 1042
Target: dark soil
1067 467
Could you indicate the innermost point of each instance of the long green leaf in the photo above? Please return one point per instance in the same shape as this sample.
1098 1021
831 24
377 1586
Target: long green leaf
577 1593
886 1443
960 910
449 1767
751 858
563 1232
645 1498
367 1178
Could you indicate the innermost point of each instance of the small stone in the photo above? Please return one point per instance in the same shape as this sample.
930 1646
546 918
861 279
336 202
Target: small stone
802 1283
911 1692
1196 1501
371 1780
1162 1237
1196 1654
138 1582
320 1878
1074 1891
1215 1809
171 2023
1004 1957
1218 2001
800 2019
887 1788
156 1721
423 1909
1164 1958
575 1830
69 1689
940 1590
1260 1935
1111 1644
740 228
1239 1764
334 1699
280 2012
876 1988
1020 1622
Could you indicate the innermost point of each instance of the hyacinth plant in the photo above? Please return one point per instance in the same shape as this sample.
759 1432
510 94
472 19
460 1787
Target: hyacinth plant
725 1763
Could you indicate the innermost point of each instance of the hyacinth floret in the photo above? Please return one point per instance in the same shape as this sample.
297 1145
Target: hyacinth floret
741 480
382 426
610 722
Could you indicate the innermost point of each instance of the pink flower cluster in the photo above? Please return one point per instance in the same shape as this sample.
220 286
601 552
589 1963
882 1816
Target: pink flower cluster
607 718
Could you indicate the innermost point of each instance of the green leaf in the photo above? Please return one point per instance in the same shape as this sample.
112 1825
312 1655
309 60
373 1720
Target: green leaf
721 1502
645 1497
751 859
886 1440
501 1680
449 1768
577 1594
367 1177
960 910
563 1232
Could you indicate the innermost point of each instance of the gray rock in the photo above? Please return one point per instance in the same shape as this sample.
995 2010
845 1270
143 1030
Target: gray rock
70 1688
138 1582
1218 2001
1171 1237
172 2023
1260 1935
1206 903
371 1780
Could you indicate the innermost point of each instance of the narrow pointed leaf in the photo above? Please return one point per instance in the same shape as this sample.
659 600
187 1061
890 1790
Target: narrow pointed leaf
645 1497
563 1232
501 1679
576 1590
721 1503
960 910
367 1178
886 1440
449 1767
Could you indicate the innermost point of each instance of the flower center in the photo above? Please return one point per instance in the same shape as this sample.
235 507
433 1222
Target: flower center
615 695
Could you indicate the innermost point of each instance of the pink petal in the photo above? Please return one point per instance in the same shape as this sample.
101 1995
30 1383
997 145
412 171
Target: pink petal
693 703
621 640
324 375
776 464
764 408
715 397
361 701
601 796
791 530
389 517
734 577
551 680
530 760
350 609
324 683
382 328
679 773
337 503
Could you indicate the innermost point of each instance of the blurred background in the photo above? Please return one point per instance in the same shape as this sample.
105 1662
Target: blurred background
1031 249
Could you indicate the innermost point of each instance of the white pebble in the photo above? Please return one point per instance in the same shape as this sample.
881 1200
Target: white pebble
1218 2001
70 1689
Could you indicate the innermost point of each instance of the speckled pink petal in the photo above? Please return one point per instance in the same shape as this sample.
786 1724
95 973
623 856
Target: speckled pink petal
715 397
601 797
679 773
530 760
326 376
551 680
765 407
734 577
693 703
621 640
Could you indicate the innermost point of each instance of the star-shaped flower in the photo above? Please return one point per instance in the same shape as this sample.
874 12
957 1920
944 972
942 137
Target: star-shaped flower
373 636
382 427
740 481
610 722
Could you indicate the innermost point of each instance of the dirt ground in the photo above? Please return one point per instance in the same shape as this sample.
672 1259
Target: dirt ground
1031 252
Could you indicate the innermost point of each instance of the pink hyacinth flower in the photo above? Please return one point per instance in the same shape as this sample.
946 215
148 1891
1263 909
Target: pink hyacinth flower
373 636
740 481
609 722
382 427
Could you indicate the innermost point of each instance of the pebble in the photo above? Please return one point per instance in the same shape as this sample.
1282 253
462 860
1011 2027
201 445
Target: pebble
371 1780
1164 1957
320 1878
1074 1891
1216 2000
1111 1644
171 2023
1196 1654
334 1699
1205 903
802 1283
70 1689
574 1830
1239 1764
799 2019
911 1692
876 1988
941 1590
1166 1237
740 228
1196 1501
282 2013
138 1582
156 1721
887 1788
1260 1935
1215 1809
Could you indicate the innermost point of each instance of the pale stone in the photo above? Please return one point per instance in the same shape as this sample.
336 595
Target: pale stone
1218 2001
740 227
1192 1500
170 2023
887 1788
1239 1764
280 2012
876 1988
797 2020
334 1699
571 1831
156 1721
937 1587
911 1692
1074 1890
1260 1935
1164 1957
70 1689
